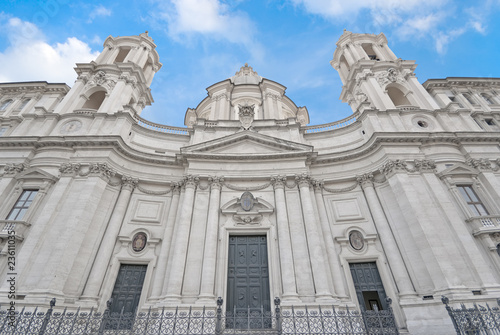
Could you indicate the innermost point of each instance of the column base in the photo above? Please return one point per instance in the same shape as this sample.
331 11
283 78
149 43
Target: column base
88 298
407 294
206 299
290 298
326 297
174 300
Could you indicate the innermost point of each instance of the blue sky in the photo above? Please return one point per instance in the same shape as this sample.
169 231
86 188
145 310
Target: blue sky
201 42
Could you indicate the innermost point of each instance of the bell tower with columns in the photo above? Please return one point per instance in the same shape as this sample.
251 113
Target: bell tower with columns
374 77
117 80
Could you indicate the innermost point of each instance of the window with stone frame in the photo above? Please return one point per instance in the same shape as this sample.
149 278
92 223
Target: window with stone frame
3 129
488 99
5 104
473 202
22 204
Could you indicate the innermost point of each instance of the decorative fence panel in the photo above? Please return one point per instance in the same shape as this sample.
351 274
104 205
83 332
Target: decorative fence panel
476 320
205 321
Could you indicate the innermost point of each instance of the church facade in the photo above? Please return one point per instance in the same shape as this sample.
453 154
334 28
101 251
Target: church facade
248 202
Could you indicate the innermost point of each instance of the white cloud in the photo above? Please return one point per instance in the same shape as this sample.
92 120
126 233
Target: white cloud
210 18
434 20
341 9
419 25
99 11
28 57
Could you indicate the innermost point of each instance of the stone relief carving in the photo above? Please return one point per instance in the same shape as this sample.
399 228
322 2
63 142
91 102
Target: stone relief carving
359 96
128 79
356 240
391 165
363 75
71 127
99 79
273 96
219 96
246 114
70 168
392 75
15 168
423 165
479 163
247 201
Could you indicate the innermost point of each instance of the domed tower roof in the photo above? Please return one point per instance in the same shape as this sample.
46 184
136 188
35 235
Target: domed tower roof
246 75
246 88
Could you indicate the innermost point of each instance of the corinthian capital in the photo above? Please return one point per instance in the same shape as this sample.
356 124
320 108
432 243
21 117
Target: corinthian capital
176 187
365 179
278 181
129 181
317 184
303 180
191 181
216 182
391 165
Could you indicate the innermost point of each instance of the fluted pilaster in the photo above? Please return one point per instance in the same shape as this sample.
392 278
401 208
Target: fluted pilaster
389 244
210 254
108 242
285 246
315 245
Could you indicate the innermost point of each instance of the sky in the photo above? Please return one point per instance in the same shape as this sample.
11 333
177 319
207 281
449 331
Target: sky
201 42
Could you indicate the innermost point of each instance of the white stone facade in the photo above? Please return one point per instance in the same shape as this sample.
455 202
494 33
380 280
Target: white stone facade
382 186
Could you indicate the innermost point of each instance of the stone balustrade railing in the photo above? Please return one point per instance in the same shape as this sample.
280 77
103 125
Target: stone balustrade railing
332 125
18 227
160 127
485 224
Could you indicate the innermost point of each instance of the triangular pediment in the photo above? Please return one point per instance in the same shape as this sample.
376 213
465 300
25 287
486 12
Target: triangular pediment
458 169
247 144
36 173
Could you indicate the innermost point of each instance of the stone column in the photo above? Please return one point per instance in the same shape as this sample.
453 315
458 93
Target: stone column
210 254
181 240
314 243
285 246
108 242
161 267
336 269
389 245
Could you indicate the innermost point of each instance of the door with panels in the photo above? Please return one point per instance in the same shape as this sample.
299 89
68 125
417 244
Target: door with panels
248 303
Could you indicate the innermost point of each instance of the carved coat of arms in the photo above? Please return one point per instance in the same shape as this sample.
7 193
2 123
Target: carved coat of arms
247 201
246 115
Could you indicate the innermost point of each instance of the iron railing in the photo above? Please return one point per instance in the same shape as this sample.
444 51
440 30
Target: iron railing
290 320
476 320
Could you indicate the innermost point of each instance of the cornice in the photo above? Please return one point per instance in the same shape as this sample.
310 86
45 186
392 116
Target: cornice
379 139
75 142
208 156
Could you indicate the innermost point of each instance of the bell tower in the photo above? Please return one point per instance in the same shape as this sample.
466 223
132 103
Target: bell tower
374 77
117 80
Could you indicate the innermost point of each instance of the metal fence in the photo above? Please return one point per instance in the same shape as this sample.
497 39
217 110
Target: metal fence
476 320
290 320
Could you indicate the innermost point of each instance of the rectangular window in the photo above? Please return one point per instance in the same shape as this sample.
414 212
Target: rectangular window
3 130
22 205
470 197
